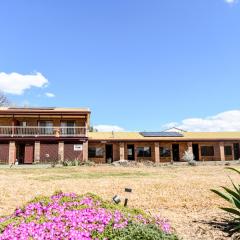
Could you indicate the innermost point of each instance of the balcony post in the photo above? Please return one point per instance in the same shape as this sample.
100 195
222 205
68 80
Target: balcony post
37 152
61 151
13 127
157 152
12 152
85 151
122 150
222 153
190 146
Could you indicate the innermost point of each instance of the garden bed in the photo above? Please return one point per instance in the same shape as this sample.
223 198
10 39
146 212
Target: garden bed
70 216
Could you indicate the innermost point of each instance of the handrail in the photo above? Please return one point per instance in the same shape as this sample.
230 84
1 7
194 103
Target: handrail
37 131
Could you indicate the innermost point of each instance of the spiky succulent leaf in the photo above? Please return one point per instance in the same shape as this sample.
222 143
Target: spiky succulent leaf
232 193
232 211
222 195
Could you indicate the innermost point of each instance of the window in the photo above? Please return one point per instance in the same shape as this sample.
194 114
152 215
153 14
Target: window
144 151
207 151
165 152
228 150
95 152
22 123
46 127
67 128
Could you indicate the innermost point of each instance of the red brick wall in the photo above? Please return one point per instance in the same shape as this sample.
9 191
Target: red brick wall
48 152
70 154
4 153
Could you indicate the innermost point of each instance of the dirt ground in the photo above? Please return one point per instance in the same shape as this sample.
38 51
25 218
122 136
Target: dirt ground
179 193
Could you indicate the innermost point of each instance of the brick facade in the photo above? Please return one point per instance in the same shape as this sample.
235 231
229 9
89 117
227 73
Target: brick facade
45 152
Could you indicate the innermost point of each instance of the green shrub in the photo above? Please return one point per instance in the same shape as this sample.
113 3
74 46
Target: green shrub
141 231
135 231
233 197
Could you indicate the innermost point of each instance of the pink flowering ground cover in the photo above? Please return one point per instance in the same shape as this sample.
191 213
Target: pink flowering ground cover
70 216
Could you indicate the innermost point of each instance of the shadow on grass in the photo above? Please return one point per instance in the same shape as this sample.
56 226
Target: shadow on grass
90 176
224 225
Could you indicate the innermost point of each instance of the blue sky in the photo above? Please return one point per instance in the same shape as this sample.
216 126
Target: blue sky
139 65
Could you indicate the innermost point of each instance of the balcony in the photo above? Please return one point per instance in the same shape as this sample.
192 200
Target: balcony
35 131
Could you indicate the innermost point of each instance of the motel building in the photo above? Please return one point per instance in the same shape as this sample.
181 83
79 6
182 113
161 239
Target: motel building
44 135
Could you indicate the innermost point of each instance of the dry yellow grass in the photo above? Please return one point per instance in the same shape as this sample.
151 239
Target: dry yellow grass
179 193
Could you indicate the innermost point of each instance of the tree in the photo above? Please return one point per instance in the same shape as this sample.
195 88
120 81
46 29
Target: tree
3 100
92 129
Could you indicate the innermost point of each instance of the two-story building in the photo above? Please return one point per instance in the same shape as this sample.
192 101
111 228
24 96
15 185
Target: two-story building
44 135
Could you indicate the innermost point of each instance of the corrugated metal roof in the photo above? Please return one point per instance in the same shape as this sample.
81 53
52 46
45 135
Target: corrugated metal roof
186 136
50 109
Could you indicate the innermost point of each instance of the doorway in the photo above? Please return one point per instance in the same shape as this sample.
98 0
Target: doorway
20 153
25 153
195 148
236 151
175 152
109 153
130 149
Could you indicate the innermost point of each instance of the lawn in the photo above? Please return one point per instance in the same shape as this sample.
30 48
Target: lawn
179 193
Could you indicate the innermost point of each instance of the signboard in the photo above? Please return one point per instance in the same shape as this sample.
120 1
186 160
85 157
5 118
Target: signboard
78 147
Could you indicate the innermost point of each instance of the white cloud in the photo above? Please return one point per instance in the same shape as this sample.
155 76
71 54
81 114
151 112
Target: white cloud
50 95
225 121
109 128
15 83
231 1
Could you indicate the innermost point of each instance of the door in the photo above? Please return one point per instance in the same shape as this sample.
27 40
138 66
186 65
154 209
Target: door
175 152
130 149
28 155
20 153
109 153
236 151
196 151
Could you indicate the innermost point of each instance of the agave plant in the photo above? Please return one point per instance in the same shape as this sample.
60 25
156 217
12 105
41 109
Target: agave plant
233 197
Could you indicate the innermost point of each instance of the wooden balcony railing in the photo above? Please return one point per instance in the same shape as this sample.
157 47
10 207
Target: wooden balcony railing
16 131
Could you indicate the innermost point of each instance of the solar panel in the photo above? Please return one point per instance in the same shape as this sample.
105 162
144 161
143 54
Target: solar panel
161 134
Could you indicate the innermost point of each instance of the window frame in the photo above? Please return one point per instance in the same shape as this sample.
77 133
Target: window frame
206 153
144 151
164 155
95 155
226 152
68 129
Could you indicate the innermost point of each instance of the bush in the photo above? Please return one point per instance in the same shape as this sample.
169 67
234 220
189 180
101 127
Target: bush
75 162
189 157
233 197
70 216
141 231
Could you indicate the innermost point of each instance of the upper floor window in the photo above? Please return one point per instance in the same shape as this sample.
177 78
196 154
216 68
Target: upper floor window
165 152
46 127
228 150
68 124
207 151
67 127
22 123
45 124
144 151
